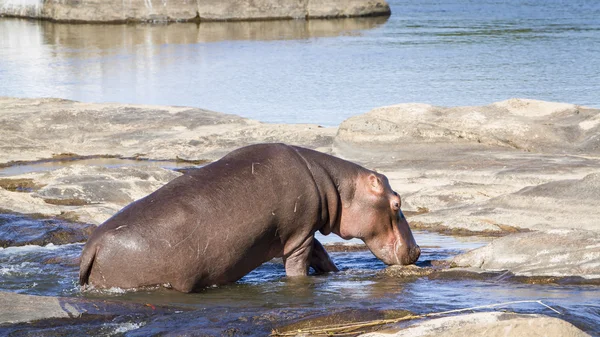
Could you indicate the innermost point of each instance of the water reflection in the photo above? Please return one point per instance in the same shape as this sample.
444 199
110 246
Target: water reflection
111 37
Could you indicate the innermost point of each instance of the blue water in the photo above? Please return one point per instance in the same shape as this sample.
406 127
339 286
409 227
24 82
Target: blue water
450 52
52 270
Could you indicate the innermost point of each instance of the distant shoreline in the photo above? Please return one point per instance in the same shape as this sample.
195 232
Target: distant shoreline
118 12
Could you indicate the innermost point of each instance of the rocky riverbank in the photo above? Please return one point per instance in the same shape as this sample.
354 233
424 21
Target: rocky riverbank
183 10
526 170
486 324
489 170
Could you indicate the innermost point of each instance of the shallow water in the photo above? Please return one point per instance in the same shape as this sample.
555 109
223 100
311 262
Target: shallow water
266 299
446 52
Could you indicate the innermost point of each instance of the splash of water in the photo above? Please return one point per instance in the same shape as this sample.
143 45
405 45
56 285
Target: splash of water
23 8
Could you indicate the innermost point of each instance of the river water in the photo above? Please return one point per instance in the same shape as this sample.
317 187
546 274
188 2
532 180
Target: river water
358 289
448 52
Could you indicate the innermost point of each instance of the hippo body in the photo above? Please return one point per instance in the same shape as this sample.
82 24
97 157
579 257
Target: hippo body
215 224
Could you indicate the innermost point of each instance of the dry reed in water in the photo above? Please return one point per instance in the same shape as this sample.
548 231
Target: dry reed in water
351 328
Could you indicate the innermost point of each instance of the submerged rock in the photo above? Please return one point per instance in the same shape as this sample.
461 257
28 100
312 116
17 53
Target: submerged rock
183 10
19 308
554 253
487 324
410 271
18 230
340 318
86 36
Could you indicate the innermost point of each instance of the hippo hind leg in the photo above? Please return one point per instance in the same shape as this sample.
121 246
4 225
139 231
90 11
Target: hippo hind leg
118 260
320 261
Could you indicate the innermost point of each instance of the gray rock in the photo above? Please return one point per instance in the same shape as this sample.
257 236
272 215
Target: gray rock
18 230
496 169
81 185
555 253
488 324
506 167
184 10
529 125
571 203
89 194
34 129
19 308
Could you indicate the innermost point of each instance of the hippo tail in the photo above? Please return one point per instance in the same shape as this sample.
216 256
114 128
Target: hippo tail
87 261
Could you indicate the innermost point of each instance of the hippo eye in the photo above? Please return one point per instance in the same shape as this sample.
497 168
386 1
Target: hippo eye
396 206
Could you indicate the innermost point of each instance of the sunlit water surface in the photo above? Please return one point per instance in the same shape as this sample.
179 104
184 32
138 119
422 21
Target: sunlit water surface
53 270
440 52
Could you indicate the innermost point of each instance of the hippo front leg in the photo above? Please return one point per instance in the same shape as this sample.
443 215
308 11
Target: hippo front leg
320 260
298 261
310 254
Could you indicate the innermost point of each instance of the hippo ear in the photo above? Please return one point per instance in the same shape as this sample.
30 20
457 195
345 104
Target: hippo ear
375 184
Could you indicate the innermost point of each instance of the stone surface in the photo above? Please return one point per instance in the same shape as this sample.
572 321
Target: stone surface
402 272
34 129
20 308
188 10
493 169
17 230
529 125
488 324
89 194
467 181
556 253
571 203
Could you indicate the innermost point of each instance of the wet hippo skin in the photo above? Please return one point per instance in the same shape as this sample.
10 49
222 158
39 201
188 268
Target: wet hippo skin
215 224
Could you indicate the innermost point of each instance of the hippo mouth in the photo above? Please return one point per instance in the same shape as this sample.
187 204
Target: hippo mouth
411 256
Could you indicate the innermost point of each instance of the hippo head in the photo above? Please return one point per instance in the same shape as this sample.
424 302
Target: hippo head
373 214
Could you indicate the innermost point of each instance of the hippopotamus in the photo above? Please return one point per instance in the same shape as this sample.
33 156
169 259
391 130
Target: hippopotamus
215 224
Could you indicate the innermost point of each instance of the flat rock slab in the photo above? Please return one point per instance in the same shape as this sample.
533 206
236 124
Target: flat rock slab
571 203
497 169
489 324
492 170
36 129
89 194
524 124
554 253
19 308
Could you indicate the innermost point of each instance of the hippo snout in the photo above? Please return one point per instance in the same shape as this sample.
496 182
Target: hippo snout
413 254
